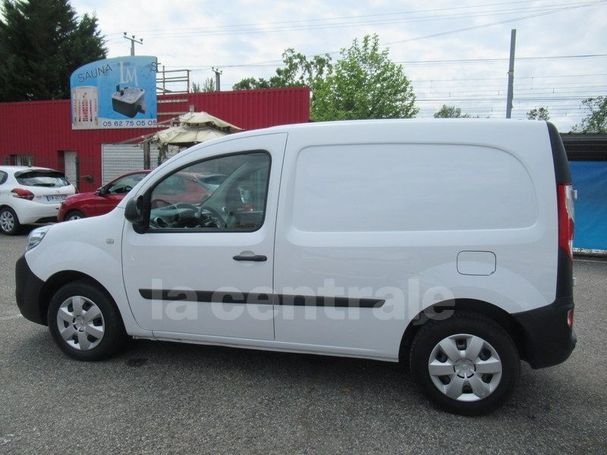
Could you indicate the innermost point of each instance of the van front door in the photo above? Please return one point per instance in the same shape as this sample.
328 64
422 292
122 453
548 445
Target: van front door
203 266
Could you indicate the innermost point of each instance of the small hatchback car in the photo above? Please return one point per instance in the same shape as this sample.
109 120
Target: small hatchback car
454 257
100 202
30 195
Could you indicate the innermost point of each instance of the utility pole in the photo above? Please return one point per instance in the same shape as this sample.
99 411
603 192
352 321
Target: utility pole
133 40
511 74
217 72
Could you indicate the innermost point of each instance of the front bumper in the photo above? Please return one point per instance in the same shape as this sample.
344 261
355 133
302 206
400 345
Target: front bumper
548 340
28 290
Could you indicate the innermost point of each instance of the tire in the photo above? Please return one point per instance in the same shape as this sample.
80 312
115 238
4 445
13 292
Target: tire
480 343
9 222
74 215
85 322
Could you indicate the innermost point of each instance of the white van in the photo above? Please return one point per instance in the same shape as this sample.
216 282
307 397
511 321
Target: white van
446 244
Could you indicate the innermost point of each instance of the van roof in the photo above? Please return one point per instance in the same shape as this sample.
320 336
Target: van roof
378 122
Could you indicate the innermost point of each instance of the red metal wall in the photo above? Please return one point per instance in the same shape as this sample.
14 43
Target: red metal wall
43 129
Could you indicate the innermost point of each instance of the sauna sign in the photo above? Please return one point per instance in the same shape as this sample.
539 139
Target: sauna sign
114 93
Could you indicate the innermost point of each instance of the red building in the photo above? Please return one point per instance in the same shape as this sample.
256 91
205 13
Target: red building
40 132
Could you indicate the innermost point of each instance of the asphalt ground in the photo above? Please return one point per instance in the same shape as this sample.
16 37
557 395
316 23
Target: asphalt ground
162 397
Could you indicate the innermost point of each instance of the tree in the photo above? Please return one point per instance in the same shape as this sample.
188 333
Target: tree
41 43
450 112
208 85
297 70
540 113
364 84
596 120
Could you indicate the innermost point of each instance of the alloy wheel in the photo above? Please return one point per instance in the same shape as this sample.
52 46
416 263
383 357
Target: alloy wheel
7 221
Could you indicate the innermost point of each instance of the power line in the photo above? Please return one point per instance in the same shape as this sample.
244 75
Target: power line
501 78
422 62
355 19
475 27
500 59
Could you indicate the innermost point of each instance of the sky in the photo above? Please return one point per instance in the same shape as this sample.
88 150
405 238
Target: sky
454 52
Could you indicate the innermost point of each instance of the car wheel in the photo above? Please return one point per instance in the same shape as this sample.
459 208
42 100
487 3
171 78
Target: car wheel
74 215
467 364
85 322
9 222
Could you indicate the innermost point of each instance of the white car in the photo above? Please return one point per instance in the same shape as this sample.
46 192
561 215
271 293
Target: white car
445 244
30 195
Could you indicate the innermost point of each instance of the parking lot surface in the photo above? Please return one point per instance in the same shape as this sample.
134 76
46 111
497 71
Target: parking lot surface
164 397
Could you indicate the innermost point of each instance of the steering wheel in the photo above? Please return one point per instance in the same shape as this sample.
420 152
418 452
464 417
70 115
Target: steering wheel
210 217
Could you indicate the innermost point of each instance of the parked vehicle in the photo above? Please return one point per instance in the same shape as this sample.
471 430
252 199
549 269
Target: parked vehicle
106 198
455 256
102 201
30 195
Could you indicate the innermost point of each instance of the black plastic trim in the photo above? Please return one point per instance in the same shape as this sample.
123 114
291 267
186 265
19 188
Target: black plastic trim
559 156
258 298
548 340
254 258
27 291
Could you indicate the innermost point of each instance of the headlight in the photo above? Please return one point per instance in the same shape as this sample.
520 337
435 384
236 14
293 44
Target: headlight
36 236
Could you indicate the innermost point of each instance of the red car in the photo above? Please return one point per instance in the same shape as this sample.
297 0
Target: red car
102 201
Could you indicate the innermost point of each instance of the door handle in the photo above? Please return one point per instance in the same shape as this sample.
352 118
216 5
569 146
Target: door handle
253 258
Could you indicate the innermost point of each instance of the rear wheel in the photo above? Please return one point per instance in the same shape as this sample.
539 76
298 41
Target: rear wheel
74 215
467 364
85 323
9 223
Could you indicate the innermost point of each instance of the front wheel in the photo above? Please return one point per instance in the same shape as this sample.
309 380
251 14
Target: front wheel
74 215
85 323
467 364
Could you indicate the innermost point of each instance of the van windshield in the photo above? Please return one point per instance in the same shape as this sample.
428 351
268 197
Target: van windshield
51 179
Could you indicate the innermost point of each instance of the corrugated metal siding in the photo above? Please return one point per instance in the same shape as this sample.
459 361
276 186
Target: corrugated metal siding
118 159
43 129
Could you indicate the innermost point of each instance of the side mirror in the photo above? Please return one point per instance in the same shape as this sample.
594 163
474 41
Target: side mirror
134 212
102 191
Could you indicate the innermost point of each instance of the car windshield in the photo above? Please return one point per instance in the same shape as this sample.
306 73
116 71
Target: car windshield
52 179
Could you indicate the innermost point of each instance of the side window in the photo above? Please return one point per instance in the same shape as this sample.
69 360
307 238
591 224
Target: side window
125 184
236 201
3 176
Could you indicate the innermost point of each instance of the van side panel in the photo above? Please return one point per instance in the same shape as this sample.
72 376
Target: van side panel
382 212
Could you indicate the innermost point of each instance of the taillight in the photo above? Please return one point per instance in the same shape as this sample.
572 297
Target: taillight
566 218
22 194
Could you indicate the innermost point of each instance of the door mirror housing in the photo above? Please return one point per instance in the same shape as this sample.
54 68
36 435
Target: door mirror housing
134 213
102 191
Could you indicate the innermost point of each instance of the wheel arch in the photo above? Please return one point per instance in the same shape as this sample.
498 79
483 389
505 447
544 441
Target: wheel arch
60 279
500 316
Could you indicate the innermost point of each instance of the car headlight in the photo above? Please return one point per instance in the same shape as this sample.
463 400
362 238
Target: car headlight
36 236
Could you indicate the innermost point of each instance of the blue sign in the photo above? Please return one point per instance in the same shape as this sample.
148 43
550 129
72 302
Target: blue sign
590 181
114 93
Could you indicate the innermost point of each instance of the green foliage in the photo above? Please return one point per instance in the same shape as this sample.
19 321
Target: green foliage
450 112
208 85
364 84
596 119
297 70
41 43
540 113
